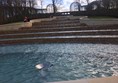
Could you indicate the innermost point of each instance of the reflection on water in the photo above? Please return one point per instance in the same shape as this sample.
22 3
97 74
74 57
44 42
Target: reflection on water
69 62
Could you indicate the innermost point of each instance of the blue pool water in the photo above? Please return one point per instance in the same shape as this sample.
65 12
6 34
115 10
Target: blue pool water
69 62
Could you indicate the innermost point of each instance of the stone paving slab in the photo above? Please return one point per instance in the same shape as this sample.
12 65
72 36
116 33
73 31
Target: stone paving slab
113 79
99 21
16 26
11 26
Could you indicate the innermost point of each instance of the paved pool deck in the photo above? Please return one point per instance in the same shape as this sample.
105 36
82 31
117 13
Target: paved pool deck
113 79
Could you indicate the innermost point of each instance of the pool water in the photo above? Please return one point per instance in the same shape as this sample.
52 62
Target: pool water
69 62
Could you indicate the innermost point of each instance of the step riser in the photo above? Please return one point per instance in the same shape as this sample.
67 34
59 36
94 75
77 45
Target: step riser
80 27
31 30
58 34
61 40
55 22
56 26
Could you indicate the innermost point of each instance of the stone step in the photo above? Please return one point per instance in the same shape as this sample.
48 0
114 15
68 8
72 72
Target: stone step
61 30
60 33
106 39
60 23
57 22
37 29
57 25
78 28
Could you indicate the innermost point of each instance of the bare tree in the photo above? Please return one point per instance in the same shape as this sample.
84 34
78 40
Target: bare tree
56 4
115 3
87 1
40 3
109 4
106 3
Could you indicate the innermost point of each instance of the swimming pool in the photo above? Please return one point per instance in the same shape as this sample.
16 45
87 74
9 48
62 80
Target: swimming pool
70 62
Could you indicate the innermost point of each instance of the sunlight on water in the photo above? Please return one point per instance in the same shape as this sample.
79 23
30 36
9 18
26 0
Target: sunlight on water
68 62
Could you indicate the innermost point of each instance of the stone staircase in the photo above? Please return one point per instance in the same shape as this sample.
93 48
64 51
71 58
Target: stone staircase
61 30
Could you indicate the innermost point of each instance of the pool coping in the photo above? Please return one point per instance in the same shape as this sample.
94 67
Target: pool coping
113 79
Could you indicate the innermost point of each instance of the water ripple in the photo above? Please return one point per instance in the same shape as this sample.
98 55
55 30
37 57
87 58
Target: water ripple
70 62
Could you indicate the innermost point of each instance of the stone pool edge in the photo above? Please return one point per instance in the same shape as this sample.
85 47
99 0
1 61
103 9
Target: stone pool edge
113 79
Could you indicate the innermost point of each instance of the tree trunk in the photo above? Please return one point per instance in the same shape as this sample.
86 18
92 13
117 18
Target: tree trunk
54 9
